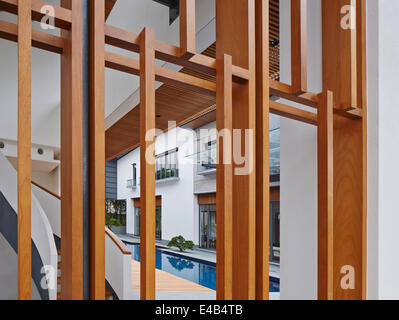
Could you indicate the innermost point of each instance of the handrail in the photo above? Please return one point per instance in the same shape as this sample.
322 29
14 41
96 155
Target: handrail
122 247
46 190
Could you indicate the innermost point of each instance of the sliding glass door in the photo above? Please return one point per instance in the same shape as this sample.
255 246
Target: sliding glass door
158 225
208 226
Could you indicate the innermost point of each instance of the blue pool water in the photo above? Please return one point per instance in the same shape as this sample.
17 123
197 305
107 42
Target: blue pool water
202 273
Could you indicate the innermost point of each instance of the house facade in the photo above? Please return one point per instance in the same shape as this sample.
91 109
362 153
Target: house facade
185 162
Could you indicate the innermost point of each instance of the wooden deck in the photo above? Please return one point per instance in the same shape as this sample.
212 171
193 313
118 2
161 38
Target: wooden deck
166 282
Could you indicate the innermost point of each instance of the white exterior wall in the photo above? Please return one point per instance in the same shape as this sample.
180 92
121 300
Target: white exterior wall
383 149
178 201
298 180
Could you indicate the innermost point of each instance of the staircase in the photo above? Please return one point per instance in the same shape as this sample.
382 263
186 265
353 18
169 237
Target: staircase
109 295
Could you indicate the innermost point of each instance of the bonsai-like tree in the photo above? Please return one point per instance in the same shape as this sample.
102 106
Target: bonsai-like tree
181 243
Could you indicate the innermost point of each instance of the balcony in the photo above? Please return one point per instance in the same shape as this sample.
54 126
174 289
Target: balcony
206 160
167 173
131 184
166 166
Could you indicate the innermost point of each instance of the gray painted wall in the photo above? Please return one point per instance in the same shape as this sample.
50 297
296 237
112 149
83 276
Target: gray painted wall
111 180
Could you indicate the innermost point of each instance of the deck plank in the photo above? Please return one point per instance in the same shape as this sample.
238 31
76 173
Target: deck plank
166 282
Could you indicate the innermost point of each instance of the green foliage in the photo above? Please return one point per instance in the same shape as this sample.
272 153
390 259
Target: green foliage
112 222
115 213
181 243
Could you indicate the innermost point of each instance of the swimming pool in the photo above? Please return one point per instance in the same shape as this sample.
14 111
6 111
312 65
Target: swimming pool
200 272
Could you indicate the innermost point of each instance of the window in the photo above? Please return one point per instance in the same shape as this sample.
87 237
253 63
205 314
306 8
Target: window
134 173
137 221
133 182
158 224
275 231
208 226
166 165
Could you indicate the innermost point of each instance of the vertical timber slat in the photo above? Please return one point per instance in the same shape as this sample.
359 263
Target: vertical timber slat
72 156
97 150
24 150
147 168
224 193
340 76
362 103
262 150
299 45
235 36
187 28
325 196
337 39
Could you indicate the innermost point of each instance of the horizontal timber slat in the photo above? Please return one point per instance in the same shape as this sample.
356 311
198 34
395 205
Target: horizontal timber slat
41 40
62 16
132 66
293 113
163 51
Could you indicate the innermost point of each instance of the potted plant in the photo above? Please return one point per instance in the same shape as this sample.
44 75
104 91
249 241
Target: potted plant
181 243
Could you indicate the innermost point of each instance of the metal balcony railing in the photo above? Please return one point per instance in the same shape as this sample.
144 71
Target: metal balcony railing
166 172
132 183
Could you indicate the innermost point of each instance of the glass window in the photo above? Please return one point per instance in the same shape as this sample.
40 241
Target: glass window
134 174
208 226
275 231
158 224
137 221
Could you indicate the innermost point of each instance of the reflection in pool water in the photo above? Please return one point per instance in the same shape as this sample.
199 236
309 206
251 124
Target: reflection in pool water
180 264
200 272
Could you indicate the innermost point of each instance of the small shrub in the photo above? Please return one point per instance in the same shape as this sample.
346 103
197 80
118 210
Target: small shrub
111 221
181 243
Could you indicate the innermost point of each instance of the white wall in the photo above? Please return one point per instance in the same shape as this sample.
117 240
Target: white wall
298 180
45 99
383 130
45 91
178 202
